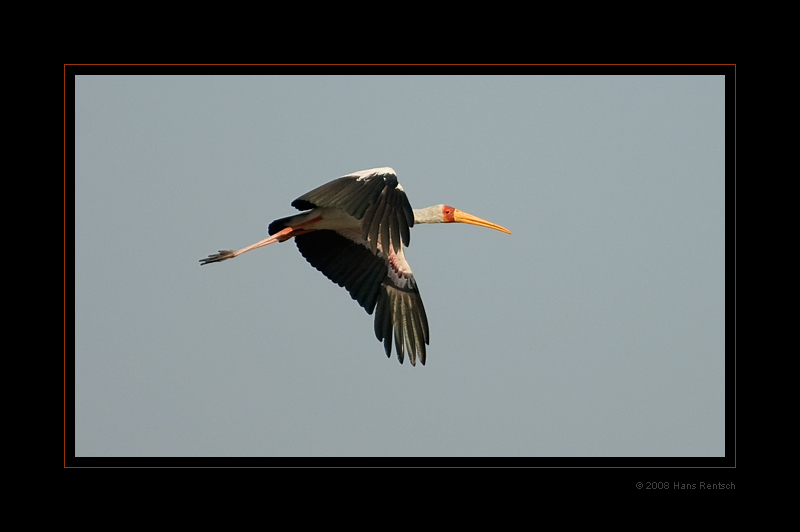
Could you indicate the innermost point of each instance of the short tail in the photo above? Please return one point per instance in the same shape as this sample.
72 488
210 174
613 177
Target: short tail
283 223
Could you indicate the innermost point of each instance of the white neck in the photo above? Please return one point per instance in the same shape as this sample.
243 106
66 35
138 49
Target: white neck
429 215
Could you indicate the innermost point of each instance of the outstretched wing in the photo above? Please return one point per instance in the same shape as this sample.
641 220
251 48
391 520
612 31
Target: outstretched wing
379 282
372 196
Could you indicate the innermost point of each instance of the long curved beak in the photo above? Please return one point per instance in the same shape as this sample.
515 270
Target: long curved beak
465 218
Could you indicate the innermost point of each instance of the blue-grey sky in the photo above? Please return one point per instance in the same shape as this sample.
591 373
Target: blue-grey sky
595 329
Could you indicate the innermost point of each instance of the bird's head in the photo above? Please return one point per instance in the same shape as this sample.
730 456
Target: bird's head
451 214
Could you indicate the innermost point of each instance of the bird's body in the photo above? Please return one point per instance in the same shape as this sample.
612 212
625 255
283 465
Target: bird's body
354 231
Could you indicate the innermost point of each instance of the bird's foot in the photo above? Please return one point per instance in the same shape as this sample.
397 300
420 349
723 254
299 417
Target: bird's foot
223 254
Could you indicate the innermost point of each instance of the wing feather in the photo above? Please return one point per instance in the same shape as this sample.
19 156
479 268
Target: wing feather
397 319
360 265
372 196
372 233
386 221
399 313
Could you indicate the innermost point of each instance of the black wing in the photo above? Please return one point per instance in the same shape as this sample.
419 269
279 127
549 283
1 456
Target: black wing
372 196
351 265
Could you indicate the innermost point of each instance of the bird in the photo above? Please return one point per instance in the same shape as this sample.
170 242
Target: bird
353 231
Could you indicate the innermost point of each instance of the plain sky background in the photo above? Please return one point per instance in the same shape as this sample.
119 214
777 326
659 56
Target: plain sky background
596 329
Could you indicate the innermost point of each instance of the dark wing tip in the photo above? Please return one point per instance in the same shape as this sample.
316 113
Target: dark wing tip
400 316
389 216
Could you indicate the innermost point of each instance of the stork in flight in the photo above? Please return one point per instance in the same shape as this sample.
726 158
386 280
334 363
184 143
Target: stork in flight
353 231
